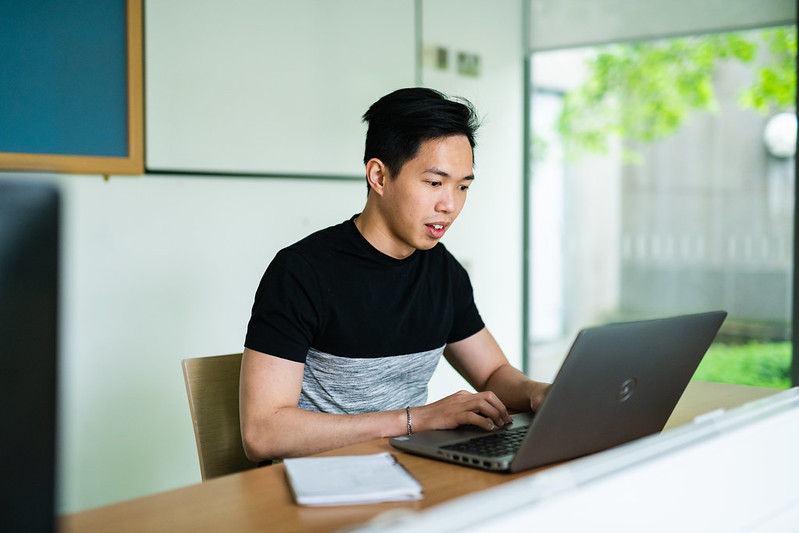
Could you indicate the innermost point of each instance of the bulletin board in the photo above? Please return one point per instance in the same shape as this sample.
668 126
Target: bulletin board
71 86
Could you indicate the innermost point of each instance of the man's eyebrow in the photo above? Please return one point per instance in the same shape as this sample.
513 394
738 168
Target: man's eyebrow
438 172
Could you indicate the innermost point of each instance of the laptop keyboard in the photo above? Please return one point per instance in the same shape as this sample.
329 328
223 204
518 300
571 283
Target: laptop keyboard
492 445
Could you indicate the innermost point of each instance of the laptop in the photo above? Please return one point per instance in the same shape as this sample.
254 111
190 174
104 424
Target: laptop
619 382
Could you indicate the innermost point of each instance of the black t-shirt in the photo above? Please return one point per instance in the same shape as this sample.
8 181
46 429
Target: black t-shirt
335 293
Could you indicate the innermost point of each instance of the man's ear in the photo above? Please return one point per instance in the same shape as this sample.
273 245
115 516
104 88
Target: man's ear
376 175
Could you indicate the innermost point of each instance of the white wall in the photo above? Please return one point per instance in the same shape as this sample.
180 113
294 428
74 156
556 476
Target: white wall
156 269
487 237
565 24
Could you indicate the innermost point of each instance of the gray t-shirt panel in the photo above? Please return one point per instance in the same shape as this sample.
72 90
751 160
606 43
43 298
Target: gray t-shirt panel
344 385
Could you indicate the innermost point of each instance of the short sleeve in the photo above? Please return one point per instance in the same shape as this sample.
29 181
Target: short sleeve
285 312
467 320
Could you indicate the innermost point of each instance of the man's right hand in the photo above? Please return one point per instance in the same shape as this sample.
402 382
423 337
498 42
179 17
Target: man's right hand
481 409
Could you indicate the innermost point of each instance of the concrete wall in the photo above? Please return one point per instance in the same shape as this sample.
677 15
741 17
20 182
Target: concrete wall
708 219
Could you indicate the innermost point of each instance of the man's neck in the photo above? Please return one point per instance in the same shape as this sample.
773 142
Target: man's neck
374 229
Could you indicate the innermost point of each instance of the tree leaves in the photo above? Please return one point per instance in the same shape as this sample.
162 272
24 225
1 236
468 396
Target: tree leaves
775 88
643 92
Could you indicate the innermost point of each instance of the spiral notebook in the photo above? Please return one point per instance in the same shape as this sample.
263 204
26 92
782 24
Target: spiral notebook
350 480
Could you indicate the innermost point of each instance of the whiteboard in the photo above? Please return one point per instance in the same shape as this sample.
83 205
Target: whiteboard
268 86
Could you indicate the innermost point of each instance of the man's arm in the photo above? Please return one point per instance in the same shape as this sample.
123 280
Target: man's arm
481 361
272 426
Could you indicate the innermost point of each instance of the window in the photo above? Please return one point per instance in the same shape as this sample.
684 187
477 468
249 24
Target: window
662 182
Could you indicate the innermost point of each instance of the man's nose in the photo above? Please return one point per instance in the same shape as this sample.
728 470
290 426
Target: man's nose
446 201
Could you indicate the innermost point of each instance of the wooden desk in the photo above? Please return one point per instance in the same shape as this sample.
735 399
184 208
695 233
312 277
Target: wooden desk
260 500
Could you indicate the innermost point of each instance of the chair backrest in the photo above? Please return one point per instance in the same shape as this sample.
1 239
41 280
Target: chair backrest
212 384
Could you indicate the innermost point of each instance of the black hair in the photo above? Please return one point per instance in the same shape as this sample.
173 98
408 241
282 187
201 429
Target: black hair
400 121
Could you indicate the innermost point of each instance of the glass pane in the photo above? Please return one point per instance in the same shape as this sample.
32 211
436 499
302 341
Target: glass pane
663 183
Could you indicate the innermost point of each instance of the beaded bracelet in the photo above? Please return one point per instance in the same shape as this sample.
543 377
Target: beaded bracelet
408 412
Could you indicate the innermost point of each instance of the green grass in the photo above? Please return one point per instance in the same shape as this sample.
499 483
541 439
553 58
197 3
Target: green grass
755 363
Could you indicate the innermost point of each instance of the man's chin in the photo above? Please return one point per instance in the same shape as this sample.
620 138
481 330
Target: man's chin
426 244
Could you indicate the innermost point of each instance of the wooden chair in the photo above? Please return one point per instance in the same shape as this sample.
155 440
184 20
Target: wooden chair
212 384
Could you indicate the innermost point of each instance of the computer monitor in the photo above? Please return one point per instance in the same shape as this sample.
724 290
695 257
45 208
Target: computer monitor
29 251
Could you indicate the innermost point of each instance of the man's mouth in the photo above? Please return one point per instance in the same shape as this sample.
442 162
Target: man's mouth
436 230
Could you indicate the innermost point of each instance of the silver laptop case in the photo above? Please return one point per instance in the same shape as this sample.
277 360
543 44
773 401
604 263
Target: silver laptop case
619 382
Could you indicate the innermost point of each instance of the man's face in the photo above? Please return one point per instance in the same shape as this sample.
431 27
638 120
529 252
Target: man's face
421 203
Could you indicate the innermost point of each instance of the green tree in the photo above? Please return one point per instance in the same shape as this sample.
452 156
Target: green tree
642 92
775 88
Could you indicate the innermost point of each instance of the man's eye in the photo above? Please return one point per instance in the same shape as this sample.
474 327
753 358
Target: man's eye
464 187
434 183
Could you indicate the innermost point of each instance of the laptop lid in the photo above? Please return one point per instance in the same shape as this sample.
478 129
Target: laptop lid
619 382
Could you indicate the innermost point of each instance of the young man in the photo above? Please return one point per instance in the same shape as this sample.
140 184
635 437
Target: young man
349 323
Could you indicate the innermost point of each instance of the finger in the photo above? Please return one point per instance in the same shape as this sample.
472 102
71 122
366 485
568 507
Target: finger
476 419
489 406
499 414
